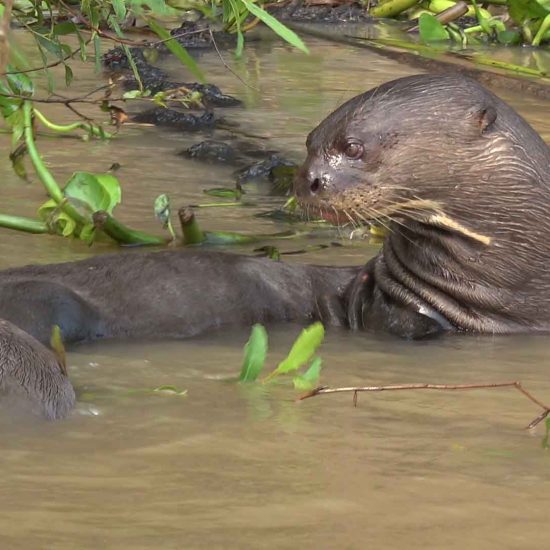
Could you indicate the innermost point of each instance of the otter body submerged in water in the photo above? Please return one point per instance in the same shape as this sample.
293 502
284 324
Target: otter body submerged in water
460 180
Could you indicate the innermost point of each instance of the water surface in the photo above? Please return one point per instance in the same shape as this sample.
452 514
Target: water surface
232 466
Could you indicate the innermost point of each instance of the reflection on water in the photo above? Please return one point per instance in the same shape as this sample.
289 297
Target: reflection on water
241 467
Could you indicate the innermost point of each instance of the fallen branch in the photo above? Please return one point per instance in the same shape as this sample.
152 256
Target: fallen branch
322 390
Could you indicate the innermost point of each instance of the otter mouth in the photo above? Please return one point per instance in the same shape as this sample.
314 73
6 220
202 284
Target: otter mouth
351 214
424 211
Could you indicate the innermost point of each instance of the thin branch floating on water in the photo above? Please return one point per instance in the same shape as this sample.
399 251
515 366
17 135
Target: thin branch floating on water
321 390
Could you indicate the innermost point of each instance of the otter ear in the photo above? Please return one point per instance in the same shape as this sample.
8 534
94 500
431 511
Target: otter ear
485 118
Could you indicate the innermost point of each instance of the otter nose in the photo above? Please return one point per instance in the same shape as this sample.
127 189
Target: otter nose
317 182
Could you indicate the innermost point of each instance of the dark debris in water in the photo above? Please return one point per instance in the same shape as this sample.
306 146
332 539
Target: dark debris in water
325 13
170 118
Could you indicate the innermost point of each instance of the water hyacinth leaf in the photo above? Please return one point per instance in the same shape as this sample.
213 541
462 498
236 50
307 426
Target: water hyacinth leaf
521 10
310 379
284 32
255 352
508 38
302 350
176 48
430 29
96 191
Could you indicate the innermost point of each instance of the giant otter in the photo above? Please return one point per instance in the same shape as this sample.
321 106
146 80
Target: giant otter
460 180
462 183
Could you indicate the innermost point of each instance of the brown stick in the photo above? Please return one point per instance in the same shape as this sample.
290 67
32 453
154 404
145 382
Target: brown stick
441 387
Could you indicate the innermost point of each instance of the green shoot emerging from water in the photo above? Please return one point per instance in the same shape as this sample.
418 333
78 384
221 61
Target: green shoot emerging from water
300 354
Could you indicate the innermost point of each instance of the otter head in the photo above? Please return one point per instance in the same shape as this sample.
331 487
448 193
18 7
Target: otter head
413 148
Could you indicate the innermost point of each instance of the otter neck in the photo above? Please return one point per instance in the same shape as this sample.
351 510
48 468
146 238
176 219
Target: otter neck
463 277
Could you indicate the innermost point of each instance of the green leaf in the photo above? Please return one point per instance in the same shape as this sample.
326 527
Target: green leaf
277 27
56 343
430 29
120 9
132 94
20 84
176 48
302 350
509 38
65 27
521 10
223 192
255 352
88 192
240 44
96 191
68 75
310 379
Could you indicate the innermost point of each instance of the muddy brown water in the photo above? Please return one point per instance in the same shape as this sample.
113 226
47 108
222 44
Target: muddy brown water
231 466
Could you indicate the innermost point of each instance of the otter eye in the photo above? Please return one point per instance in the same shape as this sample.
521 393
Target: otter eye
354 150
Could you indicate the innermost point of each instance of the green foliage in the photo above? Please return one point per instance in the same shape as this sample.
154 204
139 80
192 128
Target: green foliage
88 193
284 32
310 378
430 29
302 350
176 48
255 352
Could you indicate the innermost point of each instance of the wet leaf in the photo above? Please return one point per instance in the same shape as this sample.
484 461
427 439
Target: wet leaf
17 158
56 343
310 379
176 48
68 76
276 26
132 94
430 29
302 350
255 352
97 191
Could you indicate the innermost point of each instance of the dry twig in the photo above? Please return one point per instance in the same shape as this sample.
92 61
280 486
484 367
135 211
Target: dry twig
322 390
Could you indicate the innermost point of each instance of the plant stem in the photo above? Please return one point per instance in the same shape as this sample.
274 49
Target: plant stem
192 233
19 223
122 234
66 128
545 25
53 189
